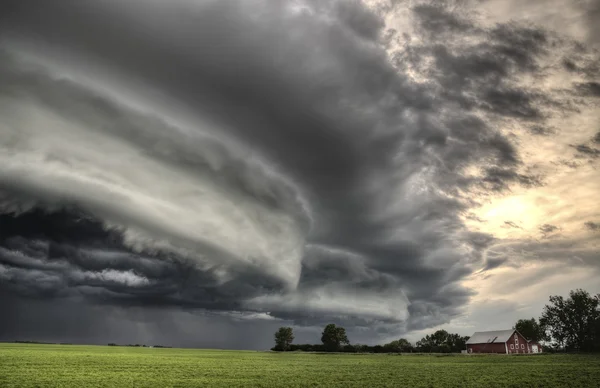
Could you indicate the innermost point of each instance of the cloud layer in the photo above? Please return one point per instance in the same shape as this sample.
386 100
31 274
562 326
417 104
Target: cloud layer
303 161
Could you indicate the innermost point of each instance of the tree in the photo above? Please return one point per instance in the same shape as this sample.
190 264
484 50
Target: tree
333 337
405 345
399 346
573 323
456 342
442 342
530 329
284 338
433 342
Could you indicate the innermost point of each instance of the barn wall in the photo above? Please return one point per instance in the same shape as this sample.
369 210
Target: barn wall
520 345
487 348
540 350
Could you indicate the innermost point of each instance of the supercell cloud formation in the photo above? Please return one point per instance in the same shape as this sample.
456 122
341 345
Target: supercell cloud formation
172 169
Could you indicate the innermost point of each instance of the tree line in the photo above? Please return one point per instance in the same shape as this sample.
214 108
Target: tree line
334 339
566 324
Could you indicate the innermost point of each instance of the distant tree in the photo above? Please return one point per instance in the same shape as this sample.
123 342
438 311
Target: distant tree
440 337
573 323
404 345
305 347
432 343
333 337
443 348
284 338
424 345
350 349
530 329
392 347
441 342
398 346
456 342
361 348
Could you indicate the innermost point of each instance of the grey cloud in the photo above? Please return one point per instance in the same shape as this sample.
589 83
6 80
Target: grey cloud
587 150
591 89
520 45
593 226
568 163
435 18
512 224
583 62
511 102
591 9
542 130
150 135
482 74
499 179
492 263
575 252
362 21
548 229
428 314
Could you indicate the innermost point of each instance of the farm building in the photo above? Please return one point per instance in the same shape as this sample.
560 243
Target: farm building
501 341
534 347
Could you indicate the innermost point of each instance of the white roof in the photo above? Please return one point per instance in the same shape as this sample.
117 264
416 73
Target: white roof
487 337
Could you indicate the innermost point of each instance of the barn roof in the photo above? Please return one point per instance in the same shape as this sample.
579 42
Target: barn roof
486 337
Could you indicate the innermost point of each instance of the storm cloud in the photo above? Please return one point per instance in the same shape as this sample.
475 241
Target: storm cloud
298 161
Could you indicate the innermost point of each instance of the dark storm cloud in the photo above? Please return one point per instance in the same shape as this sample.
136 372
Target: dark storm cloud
45 254
207 69
72 321
374 161
439 309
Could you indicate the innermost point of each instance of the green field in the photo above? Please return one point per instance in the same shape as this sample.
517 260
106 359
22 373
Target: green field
25 365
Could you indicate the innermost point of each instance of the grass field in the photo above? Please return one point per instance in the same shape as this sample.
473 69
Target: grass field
26 365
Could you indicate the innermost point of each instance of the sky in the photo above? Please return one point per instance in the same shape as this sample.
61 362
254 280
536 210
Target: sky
198 173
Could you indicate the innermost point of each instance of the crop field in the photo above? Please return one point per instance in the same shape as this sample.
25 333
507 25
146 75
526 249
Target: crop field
29 365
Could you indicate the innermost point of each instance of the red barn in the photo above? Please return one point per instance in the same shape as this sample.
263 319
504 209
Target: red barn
500 341
534 347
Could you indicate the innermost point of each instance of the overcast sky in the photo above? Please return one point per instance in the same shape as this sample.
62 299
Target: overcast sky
201 172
